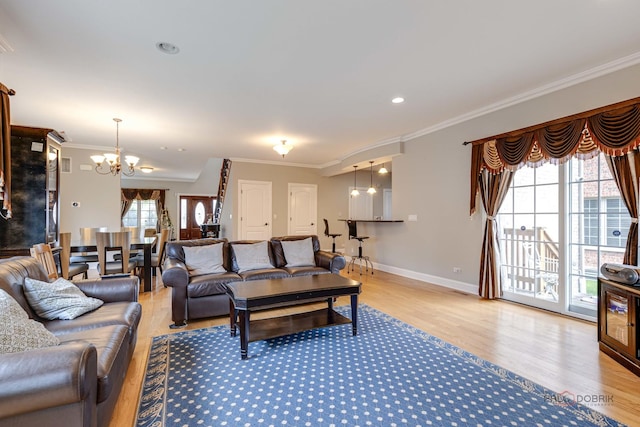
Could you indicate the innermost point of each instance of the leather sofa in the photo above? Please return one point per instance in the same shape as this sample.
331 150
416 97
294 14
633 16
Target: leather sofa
77 382
201 296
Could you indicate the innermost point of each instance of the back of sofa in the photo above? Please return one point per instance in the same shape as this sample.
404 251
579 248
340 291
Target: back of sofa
174 249
278 252
12 274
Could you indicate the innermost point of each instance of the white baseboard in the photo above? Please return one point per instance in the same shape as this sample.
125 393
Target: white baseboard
436 280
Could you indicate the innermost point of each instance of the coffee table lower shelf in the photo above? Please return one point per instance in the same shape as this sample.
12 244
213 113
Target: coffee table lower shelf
264 329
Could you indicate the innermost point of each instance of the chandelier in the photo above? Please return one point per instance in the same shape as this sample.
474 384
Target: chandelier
283 148
113 165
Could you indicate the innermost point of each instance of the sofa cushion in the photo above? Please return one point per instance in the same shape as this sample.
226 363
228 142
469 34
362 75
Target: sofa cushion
60 299
114 313
202 286
278 253
18 332
252 256
204 259
112 348
299 253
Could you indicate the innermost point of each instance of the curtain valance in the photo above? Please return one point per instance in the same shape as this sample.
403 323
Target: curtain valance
614 132
141 194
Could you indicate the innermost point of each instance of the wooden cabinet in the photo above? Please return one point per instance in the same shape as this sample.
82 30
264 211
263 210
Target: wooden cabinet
35 191
618 309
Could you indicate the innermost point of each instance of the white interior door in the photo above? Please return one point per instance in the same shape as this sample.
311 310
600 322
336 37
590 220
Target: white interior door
303 209
254 205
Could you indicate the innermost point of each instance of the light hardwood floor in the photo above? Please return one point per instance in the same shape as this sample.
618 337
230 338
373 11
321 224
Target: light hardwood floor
554 351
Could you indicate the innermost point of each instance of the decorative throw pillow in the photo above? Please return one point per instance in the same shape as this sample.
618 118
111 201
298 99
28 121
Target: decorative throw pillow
299 253
60 299
17 331
252 256
205 259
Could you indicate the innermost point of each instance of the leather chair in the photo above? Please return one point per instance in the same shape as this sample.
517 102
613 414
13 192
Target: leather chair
332 235
110 243
69 269
353 234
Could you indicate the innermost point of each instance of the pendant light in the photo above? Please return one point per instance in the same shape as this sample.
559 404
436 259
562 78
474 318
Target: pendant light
383 170
371 189
355 191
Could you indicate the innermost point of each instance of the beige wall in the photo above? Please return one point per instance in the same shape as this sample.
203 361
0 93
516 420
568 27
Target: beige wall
98 196
430 180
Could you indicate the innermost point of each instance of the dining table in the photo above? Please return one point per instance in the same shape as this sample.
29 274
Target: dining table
137 243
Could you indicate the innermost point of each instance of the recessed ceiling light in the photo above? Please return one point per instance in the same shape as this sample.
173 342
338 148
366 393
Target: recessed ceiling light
398 100
182 149
167 48
163 148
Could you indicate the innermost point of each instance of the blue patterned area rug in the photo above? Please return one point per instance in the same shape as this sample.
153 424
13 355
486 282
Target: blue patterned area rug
390 374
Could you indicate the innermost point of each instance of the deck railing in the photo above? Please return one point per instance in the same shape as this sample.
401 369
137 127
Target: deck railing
531 260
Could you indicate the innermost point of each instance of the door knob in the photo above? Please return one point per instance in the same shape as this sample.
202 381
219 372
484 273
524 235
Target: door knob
266 223
312 224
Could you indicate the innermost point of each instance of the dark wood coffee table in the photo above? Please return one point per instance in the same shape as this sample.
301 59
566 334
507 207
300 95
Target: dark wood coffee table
245 297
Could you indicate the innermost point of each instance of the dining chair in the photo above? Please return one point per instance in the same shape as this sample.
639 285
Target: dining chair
136 233
69 269
157 258
42 252
87 234
110 243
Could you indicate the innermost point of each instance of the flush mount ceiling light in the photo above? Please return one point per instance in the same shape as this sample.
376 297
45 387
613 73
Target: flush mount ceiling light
146 169
283 148
355 191
383 170
371 190
398 100
113 159
168 48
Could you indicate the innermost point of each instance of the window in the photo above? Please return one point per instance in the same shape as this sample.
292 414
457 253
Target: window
142 214
559 224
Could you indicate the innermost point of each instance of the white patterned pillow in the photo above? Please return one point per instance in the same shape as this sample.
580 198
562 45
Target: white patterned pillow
205 259
252 256
60 299
17 331
299 253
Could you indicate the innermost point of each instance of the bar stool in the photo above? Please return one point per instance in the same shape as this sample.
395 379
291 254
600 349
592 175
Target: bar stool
332 235
353 234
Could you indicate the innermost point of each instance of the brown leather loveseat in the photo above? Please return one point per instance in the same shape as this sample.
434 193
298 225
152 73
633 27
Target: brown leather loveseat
201 296
77 382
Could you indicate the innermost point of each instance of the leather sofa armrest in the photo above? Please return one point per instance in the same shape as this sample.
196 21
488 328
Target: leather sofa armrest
111 290
331 261
63 377
175 273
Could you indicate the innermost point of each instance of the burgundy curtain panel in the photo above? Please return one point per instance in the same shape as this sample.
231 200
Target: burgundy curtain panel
493 189
625 170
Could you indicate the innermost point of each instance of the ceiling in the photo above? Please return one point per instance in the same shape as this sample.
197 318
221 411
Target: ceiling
320 74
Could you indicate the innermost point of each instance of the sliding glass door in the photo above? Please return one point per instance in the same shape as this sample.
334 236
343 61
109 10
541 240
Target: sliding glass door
558 225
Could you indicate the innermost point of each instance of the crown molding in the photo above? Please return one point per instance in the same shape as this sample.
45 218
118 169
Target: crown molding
593 73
